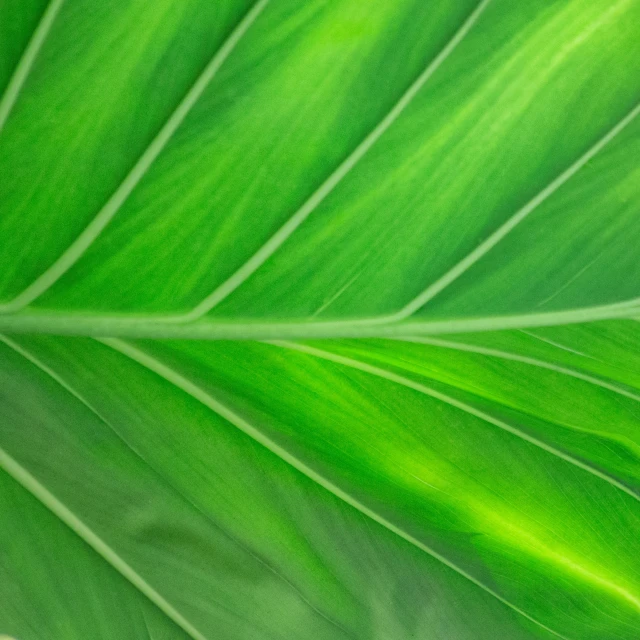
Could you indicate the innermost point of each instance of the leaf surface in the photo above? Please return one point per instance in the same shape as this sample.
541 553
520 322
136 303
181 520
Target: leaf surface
507 134
416 223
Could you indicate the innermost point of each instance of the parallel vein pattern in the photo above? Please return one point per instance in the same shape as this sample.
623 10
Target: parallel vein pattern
370 177
459 346
58 508
228 414
284 233
397 211
499 234
421 388
142 166
31 484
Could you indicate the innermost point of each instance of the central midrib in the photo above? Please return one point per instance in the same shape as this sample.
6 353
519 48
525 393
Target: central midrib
150 326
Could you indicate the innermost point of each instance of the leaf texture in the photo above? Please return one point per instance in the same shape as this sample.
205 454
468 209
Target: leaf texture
317 320
295 212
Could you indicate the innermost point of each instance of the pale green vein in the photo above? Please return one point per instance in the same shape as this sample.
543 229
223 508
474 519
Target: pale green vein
570 281
39 491
54 376
192 389
505 355
433 393
93 230
553 343
29 56
67 387
505 229
150 636
327 187
150 326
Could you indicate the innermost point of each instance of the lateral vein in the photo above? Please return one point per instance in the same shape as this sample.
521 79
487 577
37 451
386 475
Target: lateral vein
67 387
507 227
24 66
93 230
463 406
535 362
327 187
39 491
236 420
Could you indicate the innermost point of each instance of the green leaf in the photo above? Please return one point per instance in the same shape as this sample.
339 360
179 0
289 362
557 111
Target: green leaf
214 176
329 185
